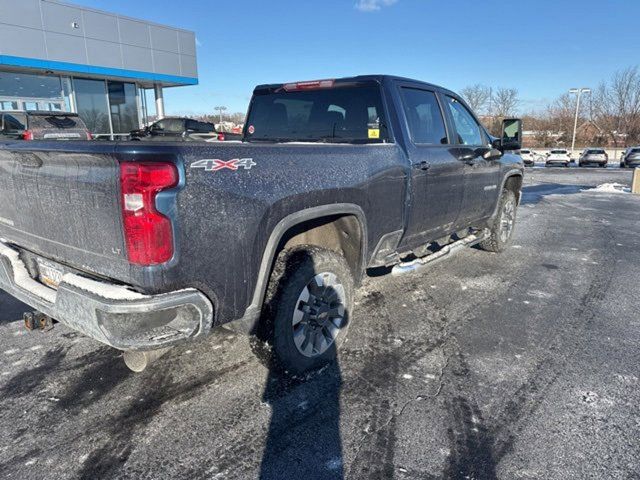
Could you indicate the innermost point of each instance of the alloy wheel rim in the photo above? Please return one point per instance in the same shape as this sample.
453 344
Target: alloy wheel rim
507 220
319 314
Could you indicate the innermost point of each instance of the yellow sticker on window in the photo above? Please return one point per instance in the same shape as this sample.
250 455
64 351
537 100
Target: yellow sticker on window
374 133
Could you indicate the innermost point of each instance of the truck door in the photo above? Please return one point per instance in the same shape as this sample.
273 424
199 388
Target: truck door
481 177
436 175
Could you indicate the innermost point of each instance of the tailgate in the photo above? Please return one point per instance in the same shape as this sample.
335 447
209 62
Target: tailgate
61 201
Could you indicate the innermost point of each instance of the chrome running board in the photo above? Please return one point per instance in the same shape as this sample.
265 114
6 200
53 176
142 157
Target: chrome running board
445 252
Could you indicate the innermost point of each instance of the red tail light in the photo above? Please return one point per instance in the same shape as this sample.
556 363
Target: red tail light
221 137
27 135
89 136
148 233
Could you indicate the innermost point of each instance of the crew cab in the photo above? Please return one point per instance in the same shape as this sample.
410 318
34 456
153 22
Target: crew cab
145 246
558 157
42 125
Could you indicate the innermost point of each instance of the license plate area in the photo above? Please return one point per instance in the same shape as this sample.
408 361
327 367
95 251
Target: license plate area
49 274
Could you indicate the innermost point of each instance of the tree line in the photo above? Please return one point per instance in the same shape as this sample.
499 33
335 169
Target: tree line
608 116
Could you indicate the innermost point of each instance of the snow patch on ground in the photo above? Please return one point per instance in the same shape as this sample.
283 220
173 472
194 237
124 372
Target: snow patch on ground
609 188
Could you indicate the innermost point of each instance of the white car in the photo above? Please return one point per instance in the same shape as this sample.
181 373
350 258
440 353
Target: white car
558 157
528 157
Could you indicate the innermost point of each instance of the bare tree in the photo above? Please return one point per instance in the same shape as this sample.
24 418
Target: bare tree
504 102
477 96
616 106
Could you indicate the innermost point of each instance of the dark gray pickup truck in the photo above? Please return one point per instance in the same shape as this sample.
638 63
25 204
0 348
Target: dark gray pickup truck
143 246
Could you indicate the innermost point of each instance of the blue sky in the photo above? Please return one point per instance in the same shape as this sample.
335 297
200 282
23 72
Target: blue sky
540 47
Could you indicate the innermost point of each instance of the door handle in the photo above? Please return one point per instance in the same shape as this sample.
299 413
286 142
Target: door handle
424 165
468 158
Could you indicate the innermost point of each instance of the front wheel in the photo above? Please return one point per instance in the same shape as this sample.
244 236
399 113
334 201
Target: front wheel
307 308
503 223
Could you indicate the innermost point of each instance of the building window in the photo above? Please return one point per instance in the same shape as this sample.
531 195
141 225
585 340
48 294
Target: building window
23 91
124 107
91 103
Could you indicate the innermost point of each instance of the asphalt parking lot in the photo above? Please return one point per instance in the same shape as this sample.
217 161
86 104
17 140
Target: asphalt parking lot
513 366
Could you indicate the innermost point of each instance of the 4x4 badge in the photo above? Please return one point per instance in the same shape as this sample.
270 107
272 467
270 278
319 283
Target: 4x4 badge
214 164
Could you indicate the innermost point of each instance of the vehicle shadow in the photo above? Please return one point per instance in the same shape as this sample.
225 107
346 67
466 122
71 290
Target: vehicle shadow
303 439
11 309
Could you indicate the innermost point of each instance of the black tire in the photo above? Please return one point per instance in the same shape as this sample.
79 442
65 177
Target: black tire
497 240
294 271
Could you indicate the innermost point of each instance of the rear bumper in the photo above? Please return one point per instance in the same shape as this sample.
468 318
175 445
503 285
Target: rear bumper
109 313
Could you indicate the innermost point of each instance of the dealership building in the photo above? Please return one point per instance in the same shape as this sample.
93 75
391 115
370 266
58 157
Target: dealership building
108 68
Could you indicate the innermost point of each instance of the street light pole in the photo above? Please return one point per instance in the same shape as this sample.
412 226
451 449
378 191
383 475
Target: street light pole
579 92
220 109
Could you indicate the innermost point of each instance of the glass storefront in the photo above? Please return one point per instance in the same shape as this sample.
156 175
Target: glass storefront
91 104
23 91
124 106
108 107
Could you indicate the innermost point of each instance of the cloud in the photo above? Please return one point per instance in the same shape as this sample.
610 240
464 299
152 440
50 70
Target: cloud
373 5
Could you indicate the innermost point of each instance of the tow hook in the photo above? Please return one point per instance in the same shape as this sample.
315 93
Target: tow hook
138 360
37 321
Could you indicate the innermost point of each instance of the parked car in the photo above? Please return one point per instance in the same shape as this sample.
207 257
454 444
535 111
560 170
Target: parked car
593 156
176 129
156 246
42 125
630 158
528 157
558 157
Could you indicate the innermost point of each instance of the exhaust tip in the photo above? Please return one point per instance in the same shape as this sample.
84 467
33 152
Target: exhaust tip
138 361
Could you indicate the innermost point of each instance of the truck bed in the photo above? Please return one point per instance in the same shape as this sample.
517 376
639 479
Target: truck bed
61 201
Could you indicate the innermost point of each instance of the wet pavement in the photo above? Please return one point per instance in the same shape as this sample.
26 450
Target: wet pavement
514 366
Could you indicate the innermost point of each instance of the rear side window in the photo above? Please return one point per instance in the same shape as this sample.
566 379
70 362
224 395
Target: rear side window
595 151
558 152
426 124
340 114
58 122
467 129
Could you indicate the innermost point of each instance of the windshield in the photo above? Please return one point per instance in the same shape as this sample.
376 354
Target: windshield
349 114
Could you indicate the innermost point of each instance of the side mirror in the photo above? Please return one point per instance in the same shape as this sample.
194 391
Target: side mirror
492 154
511 138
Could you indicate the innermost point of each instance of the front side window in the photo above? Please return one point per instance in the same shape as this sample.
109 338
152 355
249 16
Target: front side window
467 129
174 125
426 124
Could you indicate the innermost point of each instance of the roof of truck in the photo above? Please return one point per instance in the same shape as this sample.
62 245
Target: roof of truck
359 78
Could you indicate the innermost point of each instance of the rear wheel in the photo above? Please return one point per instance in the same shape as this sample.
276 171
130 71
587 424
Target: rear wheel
307 308
503 224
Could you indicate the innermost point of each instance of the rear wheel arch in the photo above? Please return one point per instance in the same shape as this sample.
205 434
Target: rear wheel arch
338 227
